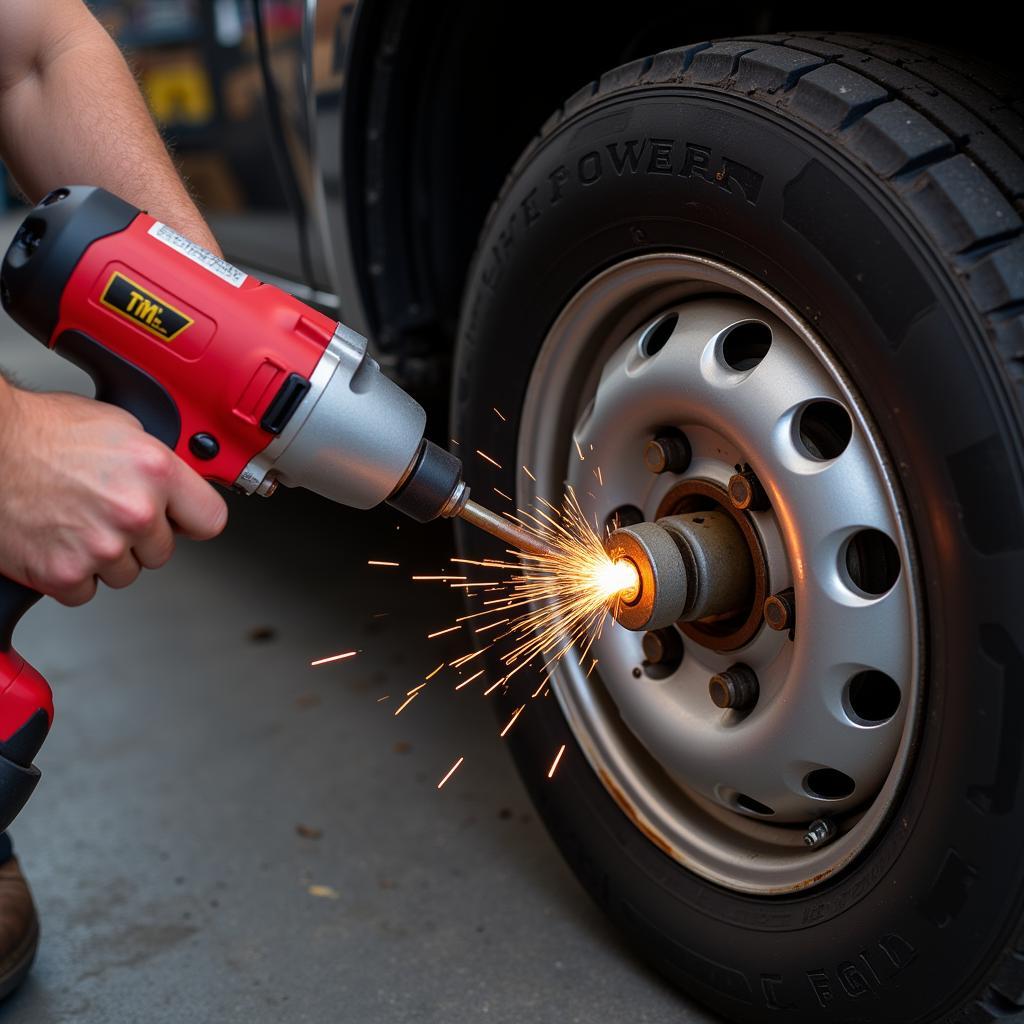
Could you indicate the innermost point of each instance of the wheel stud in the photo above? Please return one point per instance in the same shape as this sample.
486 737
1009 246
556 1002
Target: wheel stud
819 832
780 610
746 492
668 452
735 688
663 648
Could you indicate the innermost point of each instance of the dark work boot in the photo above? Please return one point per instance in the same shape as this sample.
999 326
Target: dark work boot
19 927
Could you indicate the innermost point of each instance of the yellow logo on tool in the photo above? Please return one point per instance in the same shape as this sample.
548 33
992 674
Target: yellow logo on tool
143 308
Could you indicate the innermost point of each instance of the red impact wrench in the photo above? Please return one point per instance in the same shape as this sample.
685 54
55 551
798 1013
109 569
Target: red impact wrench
246 384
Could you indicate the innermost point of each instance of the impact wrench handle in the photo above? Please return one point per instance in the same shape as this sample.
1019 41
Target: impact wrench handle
26 707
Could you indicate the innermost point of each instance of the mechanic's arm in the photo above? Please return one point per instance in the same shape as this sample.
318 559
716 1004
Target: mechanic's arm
71 114
86 492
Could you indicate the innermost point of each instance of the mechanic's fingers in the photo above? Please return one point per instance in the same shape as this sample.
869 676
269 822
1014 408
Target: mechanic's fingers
77 594
194 506
155 548
121 572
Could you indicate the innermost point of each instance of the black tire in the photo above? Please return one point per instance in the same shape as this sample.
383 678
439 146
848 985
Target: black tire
877 186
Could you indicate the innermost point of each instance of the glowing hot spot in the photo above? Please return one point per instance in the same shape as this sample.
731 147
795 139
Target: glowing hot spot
617 579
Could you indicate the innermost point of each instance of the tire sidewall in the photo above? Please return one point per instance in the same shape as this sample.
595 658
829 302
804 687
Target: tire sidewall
896 936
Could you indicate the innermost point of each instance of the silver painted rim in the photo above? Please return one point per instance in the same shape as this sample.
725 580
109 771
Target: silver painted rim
688 774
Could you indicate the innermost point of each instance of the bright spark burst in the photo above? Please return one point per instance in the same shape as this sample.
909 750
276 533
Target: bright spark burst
536 608
545 605
560 599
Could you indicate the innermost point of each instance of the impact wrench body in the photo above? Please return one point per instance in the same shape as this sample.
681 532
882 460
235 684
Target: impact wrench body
248 386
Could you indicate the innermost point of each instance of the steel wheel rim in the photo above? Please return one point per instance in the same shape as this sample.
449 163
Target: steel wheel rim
597 339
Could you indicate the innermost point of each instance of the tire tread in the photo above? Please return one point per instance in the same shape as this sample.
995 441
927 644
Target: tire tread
944 131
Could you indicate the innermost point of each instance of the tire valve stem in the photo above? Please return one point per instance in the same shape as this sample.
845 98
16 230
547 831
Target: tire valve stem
819 832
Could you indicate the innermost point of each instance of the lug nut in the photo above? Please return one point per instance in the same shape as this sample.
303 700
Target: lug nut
735 688
819 832
669 452
746 492
780 610
663 647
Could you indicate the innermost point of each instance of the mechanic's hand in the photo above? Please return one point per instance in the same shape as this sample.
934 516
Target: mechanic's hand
86 493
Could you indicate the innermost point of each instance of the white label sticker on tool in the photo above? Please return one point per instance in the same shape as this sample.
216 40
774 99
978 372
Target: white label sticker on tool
197 254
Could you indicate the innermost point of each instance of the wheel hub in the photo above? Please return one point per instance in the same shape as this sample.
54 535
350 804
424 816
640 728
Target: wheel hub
692 567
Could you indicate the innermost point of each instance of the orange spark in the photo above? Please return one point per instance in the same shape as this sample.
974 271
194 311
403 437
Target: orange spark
334 657
529 474
436 670
408 701
466 682
512 720
459 662
441 632
484 455
490 625
383 563
558 757
415 690
500 417
579 450
501 494
451 772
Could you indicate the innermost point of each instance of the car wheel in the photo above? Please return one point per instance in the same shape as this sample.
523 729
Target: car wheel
802 256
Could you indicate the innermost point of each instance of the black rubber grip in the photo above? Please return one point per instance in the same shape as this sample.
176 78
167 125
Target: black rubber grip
16 785
47 247
121 383
15 600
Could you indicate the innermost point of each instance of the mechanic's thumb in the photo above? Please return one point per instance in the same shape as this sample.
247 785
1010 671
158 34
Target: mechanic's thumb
194 506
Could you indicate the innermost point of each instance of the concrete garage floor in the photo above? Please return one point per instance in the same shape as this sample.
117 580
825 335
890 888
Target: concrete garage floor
193 740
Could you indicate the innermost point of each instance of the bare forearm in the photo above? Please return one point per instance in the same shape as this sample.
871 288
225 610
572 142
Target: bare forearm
76 117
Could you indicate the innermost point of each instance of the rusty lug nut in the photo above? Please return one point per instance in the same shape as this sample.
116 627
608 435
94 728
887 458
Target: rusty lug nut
735 688
669 452
663 646
819 832
780 610
746 492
